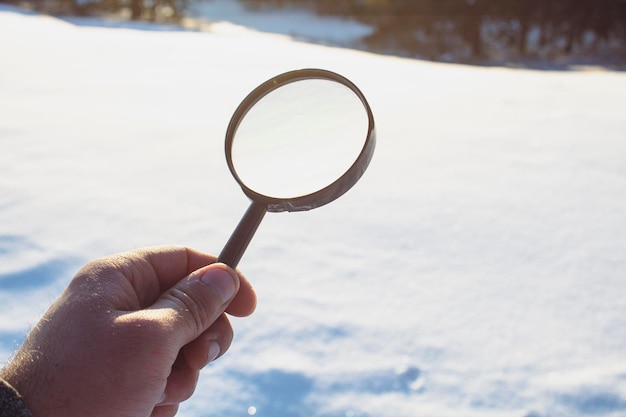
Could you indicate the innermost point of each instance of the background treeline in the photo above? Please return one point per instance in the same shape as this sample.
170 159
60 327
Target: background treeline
448 30
482 29
149 10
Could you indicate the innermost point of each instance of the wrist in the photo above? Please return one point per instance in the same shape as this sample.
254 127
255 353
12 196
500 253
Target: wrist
18 378
11 403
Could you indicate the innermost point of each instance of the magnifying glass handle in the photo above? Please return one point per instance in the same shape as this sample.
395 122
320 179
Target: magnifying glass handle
241 237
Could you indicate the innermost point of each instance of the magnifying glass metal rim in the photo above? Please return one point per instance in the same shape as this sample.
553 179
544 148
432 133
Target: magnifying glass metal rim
245 230
332 191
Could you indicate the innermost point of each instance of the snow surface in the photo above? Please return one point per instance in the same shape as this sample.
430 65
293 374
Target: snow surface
477 269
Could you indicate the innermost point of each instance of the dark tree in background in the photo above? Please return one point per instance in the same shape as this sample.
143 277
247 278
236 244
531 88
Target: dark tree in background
482 29
150 10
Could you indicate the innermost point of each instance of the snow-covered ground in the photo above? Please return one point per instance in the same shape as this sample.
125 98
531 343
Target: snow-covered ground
477 269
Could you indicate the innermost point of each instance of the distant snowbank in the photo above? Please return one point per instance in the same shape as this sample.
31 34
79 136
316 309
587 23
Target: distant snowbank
291 22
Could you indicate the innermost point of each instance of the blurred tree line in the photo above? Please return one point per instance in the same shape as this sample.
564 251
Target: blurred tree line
478 29
454 30
149 10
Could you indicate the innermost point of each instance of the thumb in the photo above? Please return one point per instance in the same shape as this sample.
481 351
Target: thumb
195 302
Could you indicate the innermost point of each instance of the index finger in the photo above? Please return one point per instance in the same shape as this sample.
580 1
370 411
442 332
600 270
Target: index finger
244 302
152 271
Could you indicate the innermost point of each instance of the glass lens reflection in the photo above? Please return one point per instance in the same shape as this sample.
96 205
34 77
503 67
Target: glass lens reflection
299 138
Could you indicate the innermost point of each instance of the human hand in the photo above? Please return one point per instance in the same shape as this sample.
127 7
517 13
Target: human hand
129 335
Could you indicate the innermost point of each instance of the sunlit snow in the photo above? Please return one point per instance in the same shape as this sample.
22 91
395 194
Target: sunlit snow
477 269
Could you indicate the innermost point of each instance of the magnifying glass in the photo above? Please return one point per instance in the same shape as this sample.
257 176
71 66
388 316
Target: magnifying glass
298 141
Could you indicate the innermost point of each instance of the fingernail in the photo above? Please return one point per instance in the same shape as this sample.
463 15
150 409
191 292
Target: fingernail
222 280
214 351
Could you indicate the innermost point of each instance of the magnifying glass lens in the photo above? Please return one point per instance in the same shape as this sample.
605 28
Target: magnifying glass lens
299 138
297 142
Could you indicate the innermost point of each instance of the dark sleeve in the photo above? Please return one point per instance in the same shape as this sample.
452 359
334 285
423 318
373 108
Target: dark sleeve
11 404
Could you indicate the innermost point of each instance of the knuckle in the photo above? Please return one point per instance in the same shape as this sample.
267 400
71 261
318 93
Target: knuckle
222 330
190 304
